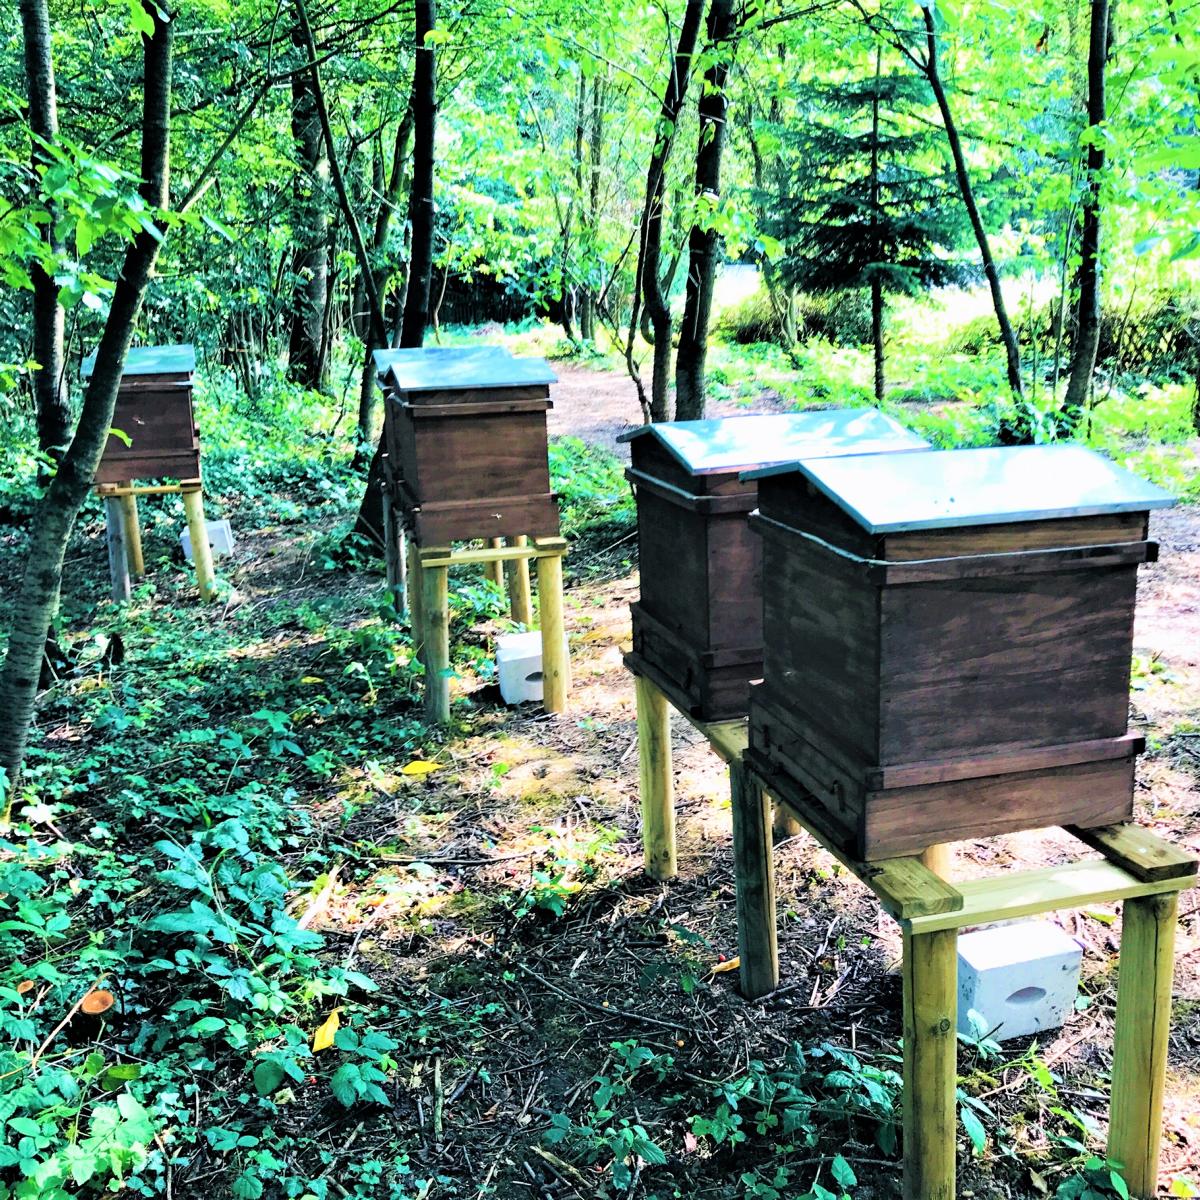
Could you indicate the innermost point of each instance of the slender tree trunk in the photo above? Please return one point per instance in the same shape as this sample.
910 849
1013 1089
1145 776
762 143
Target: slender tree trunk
1087 325
647 282
50 381
587 302
379 235
1012 352
420 201
704 243
876 282
37 598
421 215
310 231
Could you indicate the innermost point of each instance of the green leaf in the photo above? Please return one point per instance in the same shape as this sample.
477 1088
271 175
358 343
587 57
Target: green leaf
1119 1185
139 19
268 1075
974 1127
346 1083
842 1172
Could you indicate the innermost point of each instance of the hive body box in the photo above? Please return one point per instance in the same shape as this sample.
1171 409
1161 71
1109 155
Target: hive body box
465 433
154 411
697 630
967 671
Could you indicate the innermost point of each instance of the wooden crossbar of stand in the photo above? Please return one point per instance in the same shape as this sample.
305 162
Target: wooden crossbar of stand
1138 868
427 593
124 532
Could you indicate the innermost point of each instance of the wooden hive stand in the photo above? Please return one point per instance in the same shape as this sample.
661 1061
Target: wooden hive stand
1138 868
467 482
157 439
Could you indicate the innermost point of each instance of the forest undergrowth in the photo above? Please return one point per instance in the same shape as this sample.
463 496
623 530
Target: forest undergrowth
263 934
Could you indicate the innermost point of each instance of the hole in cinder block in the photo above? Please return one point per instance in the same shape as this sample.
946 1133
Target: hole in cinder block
535 677
1026 995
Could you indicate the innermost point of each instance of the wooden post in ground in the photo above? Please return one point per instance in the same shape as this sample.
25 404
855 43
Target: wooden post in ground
416 598
133 533
1140 1041
118 559
435 629
556 661
519 599
657 790
391 544
193 504
495 570
754 879
930 1060
784 825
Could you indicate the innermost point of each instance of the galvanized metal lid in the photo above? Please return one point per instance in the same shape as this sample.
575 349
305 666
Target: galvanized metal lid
746 443
151 360
937 489
456 368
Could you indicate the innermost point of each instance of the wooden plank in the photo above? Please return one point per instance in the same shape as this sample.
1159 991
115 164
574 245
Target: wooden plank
728 738
754 879
416 602
656 780
1004 761
193 504
1027 893
556 661
1011 565
1140 1040
494 552
930 1005
118 558
1137 850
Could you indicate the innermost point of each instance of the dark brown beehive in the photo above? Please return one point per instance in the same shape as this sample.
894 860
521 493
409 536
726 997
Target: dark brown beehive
156 434
948 642
465 434
697 629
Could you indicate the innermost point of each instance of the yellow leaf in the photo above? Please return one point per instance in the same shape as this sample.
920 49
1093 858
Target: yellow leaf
730 964
1103 917
420 766
323 1037
312 679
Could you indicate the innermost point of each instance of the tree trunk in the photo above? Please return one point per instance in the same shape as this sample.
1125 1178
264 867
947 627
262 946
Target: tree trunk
310 230
1011 351
876 282
420 261
50 381
587 300
420 200
37 599
647 282
704 243
383 219
1087 325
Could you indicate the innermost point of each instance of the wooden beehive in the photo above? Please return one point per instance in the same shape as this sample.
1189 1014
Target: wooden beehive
697 629
465 435
948 642
157 436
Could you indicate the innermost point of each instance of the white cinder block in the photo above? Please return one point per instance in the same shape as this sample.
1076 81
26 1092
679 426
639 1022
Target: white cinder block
519 666
220 538
1022 978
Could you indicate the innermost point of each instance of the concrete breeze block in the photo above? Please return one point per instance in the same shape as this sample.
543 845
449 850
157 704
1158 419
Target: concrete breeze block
1022 977
519 666
220 538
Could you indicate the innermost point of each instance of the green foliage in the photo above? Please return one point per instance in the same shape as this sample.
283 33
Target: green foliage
594 497
1098 1180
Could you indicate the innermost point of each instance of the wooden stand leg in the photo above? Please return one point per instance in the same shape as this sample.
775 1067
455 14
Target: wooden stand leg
930 1059
939 859
754 876
519 600
495 570
556 662
784 825
435 621
654 762
118 559
416 598
133 534
391 545
1140 1049
193 504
